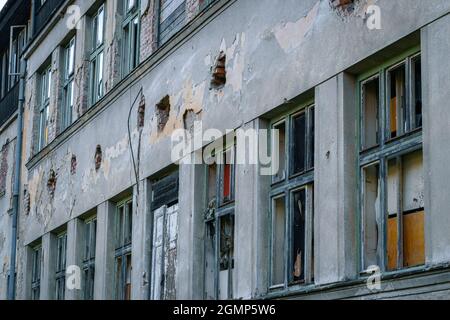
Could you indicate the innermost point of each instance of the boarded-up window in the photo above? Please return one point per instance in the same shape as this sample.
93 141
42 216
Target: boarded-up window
405 231
171 19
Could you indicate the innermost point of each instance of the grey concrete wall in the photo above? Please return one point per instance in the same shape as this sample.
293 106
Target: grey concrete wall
436 147
335 180
271 58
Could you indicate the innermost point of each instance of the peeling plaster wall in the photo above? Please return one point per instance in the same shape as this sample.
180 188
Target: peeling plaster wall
7 137
274 53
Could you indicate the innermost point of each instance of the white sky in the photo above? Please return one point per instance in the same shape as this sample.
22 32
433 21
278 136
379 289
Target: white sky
2 3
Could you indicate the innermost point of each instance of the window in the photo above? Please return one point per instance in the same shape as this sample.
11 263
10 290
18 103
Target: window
172 17
44 103
291 196
61 246
131 34
36 272
219 223
4 76
68 84
96 55
124 224
164 203
391 162
90 239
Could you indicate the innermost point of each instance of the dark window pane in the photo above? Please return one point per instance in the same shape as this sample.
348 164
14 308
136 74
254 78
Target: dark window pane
299 144
281 145
417 98
298 230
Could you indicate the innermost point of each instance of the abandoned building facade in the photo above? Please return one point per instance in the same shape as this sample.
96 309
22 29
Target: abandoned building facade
94 206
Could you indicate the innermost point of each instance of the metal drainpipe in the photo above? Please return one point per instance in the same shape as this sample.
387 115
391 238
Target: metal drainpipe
16 192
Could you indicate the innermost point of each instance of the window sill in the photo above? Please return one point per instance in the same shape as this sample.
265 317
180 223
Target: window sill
358 286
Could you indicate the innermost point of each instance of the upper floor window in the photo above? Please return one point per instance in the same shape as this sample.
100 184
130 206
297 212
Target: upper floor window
68 84
36 263
291 196
219 223
172 17
4 74
96 55
90 240
44 105
61 246
391 164
124 227
131 34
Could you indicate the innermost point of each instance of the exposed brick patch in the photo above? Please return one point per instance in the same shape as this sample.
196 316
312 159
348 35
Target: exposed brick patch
141 112
219 74
4 168
73 165
148 37
98 157
192 8
163 112
344 7
51 183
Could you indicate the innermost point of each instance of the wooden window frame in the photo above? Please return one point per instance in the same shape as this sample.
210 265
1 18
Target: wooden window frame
36 270
68 85
90 240
388 148
123 248
97 57
223 209
61 264
131 48
286 189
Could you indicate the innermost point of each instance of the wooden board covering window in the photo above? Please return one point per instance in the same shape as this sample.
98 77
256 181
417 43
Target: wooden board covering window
413 240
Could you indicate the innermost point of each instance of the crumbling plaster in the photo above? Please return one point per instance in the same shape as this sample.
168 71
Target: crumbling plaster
264 70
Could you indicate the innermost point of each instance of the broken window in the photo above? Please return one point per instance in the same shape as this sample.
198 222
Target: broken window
44 103
165 237
416 66
68 84
397 101
124 224
280 147
172 17
219 227
278 240
131 34
302 141
96 55
61 247
406 214
392 195
371 214
370 112
36 267
90 239
292 253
